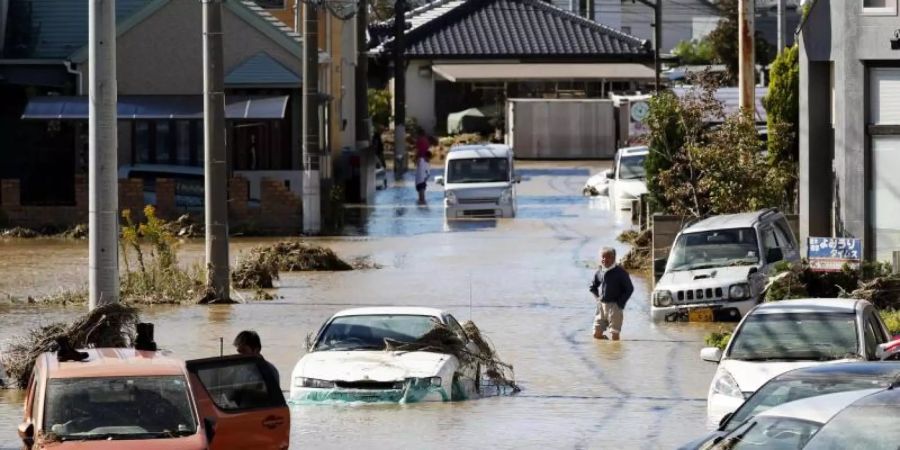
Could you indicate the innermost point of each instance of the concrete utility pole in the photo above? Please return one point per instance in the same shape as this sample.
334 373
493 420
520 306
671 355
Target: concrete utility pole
400 157
782 25
215 181
366 157
103 184
657 38
746 56
312 199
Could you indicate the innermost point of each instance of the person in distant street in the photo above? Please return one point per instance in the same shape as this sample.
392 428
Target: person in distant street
612 288
247 342
378 145
423 156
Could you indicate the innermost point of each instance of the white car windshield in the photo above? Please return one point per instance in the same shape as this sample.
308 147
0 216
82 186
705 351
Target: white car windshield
869 427
632 167
477 170
370 332
716 248
119 408
771 433
796 337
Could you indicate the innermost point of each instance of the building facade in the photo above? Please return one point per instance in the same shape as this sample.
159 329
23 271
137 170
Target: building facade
850 123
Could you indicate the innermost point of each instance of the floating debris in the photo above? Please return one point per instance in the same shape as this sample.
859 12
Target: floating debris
640 256
255 270
111 325
364 263
19 232
296 256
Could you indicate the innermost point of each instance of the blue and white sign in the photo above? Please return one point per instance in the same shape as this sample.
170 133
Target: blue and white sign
827 254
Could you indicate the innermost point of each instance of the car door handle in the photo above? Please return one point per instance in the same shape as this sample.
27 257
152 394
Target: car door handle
273 422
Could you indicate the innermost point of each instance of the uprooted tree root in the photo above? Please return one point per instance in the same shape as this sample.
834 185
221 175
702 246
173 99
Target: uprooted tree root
441 339
640 257
111 325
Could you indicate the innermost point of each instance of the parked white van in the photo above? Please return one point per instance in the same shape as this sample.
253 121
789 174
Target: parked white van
718 266
479 181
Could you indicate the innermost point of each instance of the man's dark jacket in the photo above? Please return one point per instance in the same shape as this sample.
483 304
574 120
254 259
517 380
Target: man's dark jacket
612 286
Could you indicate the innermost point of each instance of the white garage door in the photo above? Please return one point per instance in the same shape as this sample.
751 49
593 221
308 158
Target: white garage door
885 95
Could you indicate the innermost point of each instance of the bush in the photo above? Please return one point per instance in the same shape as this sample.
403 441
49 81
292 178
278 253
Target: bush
380 106
718 339
694 52
891 318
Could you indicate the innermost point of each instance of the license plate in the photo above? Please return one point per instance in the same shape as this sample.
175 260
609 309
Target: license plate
700 315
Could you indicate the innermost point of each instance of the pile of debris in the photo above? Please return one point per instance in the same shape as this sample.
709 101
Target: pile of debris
259 268
186 227
640 256
19 232
441 339
883 292
79 231
111 325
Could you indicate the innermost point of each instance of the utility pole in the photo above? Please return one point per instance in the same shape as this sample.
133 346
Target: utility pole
400 157
366 157
215 186
657 38
312 199
782 25
746 56
103 184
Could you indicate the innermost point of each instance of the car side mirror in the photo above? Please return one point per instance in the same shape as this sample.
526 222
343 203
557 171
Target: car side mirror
209 427
609 174
774 255
517 179
659 265
439 180
26 433
711 354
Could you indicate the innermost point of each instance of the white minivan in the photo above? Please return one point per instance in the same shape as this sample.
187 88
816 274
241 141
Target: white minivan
479 181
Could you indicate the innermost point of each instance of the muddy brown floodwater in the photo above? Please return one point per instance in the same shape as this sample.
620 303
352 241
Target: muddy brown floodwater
523 281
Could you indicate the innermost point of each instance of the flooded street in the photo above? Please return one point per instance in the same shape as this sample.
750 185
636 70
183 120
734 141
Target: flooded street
523 281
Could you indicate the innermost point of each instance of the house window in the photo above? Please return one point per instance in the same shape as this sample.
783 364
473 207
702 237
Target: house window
163 144
885 223
879 7
142 142
183 143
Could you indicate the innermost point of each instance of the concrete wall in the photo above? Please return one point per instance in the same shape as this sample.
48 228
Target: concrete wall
420 95
164 53
838 38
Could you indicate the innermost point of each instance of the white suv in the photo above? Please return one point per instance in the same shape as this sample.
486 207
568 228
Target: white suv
718 266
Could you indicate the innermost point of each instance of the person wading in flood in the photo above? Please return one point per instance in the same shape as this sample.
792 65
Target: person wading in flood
247 343
612 288
423 156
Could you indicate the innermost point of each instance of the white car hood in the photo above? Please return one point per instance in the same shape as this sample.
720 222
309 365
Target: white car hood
704 278
750 375
370 365
630 188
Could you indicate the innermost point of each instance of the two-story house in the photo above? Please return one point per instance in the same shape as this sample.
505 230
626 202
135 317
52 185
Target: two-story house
850 123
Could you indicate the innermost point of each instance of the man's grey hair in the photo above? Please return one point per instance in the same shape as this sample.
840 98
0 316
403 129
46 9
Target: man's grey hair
608 251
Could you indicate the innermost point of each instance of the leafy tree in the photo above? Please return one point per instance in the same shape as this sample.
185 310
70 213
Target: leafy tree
783 112
380 106
694 52
724 40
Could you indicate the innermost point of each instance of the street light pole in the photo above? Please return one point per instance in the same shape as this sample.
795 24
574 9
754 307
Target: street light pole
215 161
657 38
400 158
103 189
367 162
746 66
782 26
312 200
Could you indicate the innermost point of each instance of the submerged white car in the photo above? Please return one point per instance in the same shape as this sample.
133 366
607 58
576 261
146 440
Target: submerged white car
625 182
349 360
781 336
480 182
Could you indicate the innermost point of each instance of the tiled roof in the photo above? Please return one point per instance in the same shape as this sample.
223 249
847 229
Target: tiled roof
261 70
54 29
511 29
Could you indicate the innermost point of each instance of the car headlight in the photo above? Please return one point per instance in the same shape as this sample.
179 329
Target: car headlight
506 196
434 381
313 383
726 385
451 198
739 291
662 298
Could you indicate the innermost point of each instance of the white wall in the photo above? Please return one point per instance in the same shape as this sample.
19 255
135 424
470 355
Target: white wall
420 95
254 177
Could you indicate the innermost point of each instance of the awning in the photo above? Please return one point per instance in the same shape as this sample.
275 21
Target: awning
158 107
538 71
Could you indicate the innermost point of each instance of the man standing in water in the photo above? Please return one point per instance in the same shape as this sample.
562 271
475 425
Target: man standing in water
612 288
